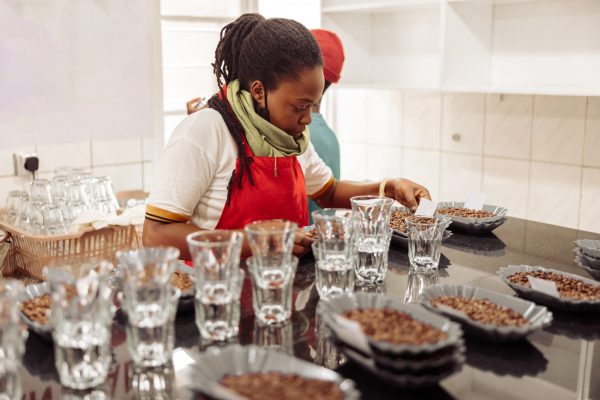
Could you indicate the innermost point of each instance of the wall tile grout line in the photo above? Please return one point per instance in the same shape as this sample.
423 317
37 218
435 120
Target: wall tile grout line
585 125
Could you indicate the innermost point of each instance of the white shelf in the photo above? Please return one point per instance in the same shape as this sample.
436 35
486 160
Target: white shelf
346 6
548 47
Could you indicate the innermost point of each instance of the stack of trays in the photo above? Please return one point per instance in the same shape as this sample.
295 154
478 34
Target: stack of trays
426 347
487 314
587 256
471 224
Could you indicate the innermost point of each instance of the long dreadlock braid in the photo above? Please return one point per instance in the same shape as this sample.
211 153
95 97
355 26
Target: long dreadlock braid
254 48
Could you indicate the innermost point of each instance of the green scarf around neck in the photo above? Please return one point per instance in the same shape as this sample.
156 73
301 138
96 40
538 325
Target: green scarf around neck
264 138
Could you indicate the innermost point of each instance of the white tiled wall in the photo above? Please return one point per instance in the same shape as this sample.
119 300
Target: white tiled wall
128 162
539 156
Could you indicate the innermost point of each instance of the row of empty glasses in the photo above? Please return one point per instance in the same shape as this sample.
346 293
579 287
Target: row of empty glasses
353 245
51 205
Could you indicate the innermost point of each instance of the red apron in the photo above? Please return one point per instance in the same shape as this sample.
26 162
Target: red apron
279 192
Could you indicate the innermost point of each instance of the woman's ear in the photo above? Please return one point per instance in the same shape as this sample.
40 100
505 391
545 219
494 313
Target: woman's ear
258 91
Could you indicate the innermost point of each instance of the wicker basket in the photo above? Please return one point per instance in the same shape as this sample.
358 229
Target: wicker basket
29 254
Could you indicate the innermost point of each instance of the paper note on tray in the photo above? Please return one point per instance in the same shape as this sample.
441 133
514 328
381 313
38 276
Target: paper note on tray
350 332
426 208
475 201
543 285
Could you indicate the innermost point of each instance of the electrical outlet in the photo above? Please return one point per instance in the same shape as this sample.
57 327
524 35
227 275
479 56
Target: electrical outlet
20 159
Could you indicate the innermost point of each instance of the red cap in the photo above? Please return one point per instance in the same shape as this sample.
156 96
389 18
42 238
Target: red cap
333 53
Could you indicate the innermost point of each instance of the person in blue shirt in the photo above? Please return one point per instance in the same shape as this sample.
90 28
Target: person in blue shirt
321 135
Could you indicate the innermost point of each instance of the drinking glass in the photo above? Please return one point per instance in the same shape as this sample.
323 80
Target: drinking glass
216 258
272 290
425 242
81 318
373 236
150 302
271 241
335 233
14 202
334 275
41 192
60 185
237 280
12 339
53 221
151 330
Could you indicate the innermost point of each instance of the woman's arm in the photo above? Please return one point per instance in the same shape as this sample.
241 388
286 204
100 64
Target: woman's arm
406 192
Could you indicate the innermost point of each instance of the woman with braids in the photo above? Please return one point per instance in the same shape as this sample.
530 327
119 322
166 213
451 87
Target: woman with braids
247 156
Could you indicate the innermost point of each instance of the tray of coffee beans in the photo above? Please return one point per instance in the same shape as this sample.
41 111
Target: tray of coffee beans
575 293
409 345
34 305
485 313
253 372
472 221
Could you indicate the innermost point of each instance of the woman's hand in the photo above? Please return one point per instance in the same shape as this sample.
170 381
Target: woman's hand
302 244
406 192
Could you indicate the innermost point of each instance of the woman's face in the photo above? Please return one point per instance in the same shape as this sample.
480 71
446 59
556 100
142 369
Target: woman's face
289 105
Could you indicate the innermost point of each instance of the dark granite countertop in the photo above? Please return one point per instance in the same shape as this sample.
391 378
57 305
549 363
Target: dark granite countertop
561 362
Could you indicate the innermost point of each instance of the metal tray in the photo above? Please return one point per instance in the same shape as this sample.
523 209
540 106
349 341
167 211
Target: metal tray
583 263
590 262
475 225
31 291
589 247
543 298
327 308
215 363
403 380
538 316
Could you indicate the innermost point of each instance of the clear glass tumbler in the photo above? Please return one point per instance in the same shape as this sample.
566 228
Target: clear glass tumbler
81 322
15 200
272 290
425 242
334 275
216 258
12 340
150 302
373 236
271 241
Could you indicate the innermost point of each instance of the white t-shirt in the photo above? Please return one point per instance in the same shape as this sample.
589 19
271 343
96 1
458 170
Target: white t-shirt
191 179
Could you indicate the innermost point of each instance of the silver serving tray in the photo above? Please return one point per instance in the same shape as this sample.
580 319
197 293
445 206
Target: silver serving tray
562 303
538 316
404 380
327 308
590 262
583 263
475 225
403 236
31 291
215 363
589 247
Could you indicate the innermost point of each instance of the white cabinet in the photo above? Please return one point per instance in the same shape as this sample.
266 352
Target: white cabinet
501 46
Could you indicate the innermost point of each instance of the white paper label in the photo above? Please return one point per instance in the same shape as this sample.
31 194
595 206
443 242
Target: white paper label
426 208
475 201
544 286
350 332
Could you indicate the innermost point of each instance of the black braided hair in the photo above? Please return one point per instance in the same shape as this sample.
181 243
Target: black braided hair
254 48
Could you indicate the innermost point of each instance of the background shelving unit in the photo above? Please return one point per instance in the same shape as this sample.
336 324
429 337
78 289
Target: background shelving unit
482 46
